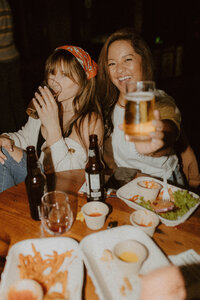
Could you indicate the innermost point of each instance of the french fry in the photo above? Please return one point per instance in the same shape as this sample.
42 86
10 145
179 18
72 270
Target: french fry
46 271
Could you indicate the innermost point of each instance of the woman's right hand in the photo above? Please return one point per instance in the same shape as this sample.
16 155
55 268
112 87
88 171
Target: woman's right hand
47 109
8 144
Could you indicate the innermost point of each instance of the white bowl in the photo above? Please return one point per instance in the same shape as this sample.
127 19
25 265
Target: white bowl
148 189
95 214
129 255
145 220
24 286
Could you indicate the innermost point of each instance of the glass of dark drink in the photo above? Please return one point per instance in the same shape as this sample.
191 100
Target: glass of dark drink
54 87
56 213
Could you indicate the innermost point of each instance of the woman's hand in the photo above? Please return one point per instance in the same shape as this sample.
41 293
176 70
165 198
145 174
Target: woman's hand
8 144
157 141
47 110
162 140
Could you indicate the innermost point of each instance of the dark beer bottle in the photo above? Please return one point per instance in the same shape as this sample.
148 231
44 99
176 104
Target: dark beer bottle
35 182
94 172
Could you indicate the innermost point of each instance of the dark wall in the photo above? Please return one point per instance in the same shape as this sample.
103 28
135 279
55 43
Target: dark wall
172 29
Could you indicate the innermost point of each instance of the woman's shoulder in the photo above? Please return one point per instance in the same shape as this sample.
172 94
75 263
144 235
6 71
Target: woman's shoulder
163 96
164 100
91 124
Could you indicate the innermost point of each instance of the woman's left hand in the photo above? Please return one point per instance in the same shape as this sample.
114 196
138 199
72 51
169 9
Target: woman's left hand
47 110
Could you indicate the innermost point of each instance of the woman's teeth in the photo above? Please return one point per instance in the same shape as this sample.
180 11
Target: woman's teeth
124 78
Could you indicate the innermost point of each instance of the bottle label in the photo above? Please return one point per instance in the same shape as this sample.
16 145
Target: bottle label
91 152
93 184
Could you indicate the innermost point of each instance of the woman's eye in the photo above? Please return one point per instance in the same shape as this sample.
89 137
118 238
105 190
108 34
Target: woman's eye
129 59
111 64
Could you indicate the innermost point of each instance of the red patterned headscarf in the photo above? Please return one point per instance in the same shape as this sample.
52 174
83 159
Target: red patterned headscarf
89 65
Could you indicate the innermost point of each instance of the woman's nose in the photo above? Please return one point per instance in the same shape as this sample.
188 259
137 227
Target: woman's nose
120 68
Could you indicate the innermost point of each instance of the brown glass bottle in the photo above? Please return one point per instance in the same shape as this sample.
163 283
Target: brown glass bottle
94 172
35 182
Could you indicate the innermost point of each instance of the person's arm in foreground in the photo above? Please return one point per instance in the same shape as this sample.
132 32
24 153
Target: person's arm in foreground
165 283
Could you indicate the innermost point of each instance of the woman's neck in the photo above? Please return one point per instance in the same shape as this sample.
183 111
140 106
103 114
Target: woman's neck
66 106
121 100
66 113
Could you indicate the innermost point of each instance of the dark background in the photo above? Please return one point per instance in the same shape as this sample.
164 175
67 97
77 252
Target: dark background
171 28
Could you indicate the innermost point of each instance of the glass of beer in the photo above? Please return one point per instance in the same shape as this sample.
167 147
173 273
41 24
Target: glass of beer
139 107
56 213
55 89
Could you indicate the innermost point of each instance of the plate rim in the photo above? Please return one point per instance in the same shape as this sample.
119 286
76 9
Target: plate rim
28 241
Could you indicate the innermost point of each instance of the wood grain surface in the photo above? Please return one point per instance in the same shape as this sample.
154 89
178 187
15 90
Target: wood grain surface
16 223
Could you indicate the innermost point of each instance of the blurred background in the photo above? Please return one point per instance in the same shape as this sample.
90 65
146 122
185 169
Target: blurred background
171 28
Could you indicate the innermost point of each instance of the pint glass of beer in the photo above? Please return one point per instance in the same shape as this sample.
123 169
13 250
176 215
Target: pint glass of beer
139 107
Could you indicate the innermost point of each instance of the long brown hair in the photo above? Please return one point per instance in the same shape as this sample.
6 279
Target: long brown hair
107 92
85 102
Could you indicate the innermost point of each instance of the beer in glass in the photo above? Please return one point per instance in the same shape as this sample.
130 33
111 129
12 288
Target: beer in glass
139 107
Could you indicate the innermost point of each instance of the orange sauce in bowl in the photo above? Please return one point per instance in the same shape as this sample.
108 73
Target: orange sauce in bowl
149 184
128 256
95 214
145 225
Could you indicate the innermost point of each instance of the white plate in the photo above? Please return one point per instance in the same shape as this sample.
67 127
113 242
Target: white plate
46 246
105 274
130 189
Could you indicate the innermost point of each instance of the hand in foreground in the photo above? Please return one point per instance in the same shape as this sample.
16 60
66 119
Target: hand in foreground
157 141
8 144
165 283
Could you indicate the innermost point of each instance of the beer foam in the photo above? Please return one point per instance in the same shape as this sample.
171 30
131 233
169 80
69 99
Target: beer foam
140 96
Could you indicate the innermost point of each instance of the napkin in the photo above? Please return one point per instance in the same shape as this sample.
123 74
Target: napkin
83 189
189 263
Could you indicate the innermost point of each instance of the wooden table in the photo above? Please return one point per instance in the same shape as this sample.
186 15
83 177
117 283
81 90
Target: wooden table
16 223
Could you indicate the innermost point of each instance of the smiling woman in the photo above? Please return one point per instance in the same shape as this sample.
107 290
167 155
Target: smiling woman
121 56
125 57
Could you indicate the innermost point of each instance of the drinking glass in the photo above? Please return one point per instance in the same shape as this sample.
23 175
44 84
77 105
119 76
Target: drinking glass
56 213
139 107
55 89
